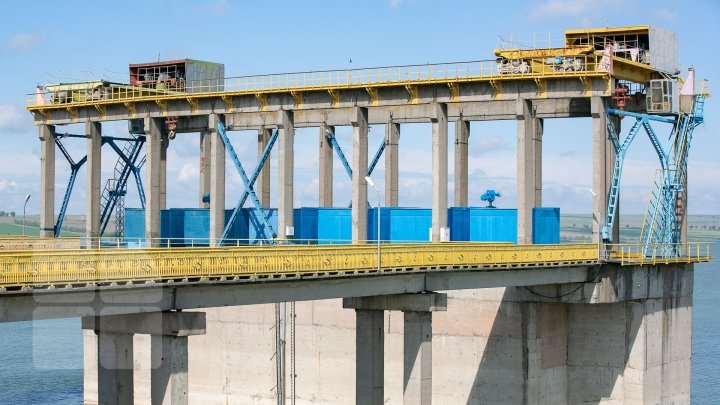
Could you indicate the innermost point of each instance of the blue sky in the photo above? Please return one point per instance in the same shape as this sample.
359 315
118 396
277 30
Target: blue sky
46 42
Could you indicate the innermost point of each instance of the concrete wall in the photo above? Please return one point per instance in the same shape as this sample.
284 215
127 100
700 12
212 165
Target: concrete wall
492 346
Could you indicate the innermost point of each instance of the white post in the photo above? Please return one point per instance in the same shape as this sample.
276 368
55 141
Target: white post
27 198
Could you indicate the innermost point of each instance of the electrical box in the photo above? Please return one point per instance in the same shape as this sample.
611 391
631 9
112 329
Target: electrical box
663 96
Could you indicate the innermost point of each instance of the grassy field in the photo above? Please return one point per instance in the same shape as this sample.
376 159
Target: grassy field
9 228
578 228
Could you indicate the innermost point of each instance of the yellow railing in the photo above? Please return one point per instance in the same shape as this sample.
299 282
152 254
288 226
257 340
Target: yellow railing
77 267
661 253
320 80
27 243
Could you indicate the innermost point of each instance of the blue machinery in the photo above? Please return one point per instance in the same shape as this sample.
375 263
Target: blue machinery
660 225
490 196
115 188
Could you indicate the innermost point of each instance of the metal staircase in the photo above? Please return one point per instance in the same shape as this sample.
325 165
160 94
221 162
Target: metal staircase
112 198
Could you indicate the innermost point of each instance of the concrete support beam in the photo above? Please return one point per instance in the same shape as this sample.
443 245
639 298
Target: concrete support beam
262 184
205 138
369 357
399 302
47 181
217 180
153 201
286 164
115 368
164 144
417 358
325 175
529 167
439 171
149 323
392 164
169 375
462 135
358 119
602 164
93 132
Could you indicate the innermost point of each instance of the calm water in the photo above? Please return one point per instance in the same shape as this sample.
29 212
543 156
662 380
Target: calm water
41 362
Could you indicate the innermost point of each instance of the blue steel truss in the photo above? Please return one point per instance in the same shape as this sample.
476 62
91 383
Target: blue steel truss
264 228
378 154
74 168
116 188
660 231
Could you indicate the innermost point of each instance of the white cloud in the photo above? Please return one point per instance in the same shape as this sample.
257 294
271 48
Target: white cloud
8 186
14 119
24 42
188 172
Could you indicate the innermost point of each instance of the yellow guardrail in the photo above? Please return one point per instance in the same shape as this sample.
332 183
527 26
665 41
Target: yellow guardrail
28 243
79 267
536 68
661 253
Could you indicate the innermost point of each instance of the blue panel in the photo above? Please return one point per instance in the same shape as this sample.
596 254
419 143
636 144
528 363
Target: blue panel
459 222
334 224
493 225
256 231
546 225
196 226
306 224
134 223
239 232
400 224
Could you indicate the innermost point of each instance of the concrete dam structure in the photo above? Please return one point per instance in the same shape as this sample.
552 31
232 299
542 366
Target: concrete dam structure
327 305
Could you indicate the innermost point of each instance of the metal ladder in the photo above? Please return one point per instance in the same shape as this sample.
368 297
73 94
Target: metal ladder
116 187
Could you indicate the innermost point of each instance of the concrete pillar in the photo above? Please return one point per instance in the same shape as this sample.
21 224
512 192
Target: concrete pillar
94 143
417 358
169 375
602 164
262 184
529 167
369 357
439 170
154 151
462 135
205 138
358 119
392 164
217 180
286 164
164 144
115 368
325 176
47 181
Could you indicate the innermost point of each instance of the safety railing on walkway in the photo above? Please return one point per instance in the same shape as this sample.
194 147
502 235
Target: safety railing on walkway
98 92
102 266
660 253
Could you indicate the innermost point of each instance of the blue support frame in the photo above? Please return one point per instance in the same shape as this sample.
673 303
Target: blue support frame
341 156
74 168
129 157
247 183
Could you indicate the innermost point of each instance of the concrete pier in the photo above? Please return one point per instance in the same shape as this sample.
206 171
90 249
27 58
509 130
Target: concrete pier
115 368
529 167
325 176
286 165
262 184
462 135
93 132
217 180
602 165
392 164
204 186
359 121
47 180
154 152
369 357
439 172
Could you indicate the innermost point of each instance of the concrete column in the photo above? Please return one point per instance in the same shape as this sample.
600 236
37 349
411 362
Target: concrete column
462 135
358 119
94 143
47 181
417 358
439 170
164 144
217 180
369 357
601 160
154 151
169 375
262 184
325 176
205 138
286 164
392 164
529 167
115 368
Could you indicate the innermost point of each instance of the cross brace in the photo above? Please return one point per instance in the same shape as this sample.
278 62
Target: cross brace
341 156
